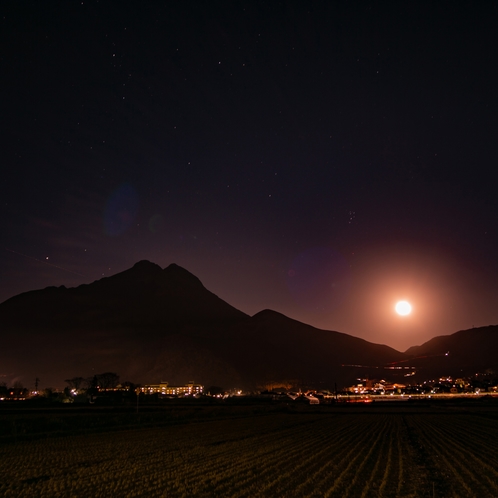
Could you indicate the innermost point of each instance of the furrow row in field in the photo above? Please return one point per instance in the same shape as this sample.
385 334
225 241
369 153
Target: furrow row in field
329 436
79 449
484 446
99 469
463 429
391 465
327 466
459 486
328 448
249 468
329 482
408 472
282 455
347 481
142 462
367 455
461 481
413 473
487 453
340 452
470 469
256 441
286 458
257 447
470 423
96 461
480 426
382 466
55 453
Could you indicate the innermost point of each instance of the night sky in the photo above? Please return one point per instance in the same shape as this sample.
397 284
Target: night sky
321 159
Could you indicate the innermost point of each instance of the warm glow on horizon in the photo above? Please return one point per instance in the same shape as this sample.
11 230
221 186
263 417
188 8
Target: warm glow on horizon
403 308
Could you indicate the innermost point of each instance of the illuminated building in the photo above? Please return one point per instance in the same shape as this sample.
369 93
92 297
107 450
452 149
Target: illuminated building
164 388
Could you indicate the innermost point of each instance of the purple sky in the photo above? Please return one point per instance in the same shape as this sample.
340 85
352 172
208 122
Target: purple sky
321 159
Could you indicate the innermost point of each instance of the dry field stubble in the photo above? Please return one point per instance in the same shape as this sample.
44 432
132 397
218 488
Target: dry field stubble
358 452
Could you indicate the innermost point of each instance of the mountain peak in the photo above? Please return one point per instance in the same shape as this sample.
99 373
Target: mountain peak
146 266
268 314
176 273
173 273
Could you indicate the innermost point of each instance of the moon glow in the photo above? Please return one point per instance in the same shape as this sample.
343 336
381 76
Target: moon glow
403 308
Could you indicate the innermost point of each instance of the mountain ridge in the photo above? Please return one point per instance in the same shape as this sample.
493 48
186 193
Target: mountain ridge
162 298
150 324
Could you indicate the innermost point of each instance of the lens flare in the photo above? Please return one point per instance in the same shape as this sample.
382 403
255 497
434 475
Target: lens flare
121 210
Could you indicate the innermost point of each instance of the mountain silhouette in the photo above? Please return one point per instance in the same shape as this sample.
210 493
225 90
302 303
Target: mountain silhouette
289 349
150 324
463 353
142 296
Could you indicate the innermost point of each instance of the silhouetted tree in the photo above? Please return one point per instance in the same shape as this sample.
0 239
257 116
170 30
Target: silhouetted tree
129 386
18 390
107 380
75 382
90 382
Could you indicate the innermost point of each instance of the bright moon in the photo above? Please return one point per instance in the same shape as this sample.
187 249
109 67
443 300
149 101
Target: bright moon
403 308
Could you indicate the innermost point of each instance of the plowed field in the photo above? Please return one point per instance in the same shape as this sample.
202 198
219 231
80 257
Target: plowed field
368 452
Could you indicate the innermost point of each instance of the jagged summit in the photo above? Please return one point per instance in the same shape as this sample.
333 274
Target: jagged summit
178 274
146 266
144 295
173 274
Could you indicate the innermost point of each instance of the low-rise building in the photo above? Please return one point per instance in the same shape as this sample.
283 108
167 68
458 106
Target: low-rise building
164 388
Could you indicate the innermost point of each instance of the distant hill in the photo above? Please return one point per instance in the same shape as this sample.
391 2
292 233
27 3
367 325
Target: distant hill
462 353
150 324
288 349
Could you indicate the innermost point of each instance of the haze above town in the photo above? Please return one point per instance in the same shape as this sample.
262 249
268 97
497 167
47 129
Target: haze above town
323 160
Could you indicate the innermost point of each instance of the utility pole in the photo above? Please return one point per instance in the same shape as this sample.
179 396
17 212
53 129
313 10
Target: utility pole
137 390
